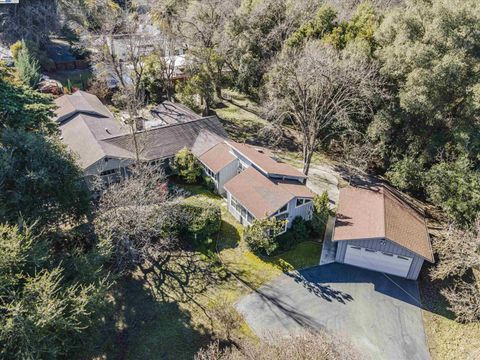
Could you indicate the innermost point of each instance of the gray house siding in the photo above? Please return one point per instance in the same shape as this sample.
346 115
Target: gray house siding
304 211
227 173
375 244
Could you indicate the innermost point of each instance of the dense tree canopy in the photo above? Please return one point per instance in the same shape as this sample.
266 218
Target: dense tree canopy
23 108
430 51
45 314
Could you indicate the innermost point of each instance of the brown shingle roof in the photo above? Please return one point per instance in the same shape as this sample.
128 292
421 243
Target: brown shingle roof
262 196
166 141
259 195
79 102
217 157
263 160
90 131
381 212
296 188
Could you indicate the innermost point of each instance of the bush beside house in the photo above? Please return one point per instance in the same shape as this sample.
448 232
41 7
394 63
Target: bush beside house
186 166
204 220
261 236
260 239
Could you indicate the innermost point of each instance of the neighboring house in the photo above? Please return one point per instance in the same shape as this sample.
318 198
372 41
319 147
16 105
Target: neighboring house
377 229
105 146
255 184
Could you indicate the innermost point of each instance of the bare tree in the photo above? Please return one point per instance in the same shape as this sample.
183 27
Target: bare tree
306 346
118 42
201 27
458 251
357 153
464 299
320 90
138 216
227 319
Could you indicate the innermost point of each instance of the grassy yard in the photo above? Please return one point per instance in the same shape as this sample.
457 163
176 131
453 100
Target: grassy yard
240 116
447 339
242 119
166 310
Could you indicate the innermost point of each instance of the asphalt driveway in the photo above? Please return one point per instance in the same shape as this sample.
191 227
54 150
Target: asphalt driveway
379 314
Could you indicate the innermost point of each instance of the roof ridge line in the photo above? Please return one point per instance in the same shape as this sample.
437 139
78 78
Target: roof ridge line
163 127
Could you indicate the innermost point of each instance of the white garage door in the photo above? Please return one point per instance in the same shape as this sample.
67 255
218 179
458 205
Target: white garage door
378 261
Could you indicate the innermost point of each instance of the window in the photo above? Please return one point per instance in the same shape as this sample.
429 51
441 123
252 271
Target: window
282 216
108 172
368 250
387 254
244 213
403 258
241 167
282 209
356 247
301 202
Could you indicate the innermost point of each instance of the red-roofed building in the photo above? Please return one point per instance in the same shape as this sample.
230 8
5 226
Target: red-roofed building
378 229
255 184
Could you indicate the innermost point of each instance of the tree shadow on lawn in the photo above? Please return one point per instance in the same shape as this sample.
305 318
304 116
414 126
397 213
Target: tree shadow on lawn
182 275
144 328
229 236
253 132
432 299
156 309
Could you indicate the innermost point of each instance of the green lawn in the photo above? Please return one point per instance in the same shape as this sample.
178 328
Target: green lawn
239 259
447 339
239 116
166 310
78 78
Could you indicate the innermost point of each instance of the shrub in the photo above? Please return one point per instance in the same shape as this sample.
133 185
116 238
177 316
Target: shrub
261 235
455 187
407 174
299 232
204 220
321 212
186 166
464 300
100 89
27 67
41 56
209 183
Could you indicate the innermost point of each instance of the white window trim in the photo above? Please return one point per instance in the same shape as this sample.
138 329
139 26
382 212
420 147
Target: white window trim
283 212
305 202
232 207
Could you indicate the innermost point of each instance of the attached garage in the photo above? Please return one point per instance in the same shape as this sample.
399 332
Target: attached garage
377 229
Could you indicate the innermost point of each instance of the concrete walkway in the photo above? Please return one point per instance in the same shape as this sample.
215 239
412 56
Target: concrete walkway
329 248
324 178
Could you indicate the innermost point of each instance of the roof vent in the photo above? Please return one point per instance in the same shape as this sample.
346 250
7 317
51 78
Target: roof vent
108 131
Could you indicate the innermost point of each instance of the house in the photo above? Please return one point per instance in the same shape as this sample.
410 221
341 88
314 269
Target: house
105 146
255 184
378 229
